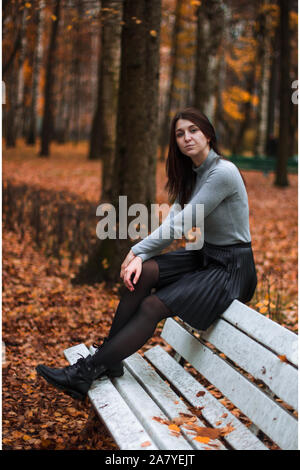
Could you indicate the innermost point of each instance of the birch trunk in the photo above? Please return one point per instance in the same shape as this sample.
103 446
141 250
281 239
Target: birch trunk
263 81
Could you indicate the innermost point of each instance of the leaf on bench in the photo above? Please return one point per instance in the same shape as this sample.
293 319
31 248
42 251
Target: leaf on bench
212 433
146 444
174 427
283 358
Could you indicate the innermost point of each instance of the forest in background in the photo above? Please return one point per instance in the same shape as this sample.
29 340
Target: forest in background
220 56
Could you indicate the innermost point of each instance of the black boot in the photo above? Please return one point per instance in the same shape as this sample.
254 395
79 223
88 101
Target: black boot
116 370
74 380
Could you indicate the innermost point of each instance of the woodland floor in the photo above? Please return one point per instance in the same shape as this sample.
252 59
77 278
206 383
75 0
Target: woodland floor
43 313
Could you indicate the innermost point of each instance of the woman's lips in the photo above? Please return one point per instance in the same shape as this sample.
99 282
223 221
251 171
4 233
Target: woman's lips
188 146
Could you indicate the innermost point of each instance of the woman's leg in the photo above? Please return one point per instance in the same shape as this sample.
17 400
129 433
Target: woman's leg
134 334
131 300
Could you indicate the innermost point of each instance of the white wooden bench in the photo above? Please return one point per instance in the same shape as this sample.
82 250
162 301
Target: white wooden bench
251 360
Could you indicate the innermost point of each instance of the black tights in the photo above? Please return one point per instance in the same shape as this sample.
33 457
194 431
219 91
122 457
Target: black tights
135 320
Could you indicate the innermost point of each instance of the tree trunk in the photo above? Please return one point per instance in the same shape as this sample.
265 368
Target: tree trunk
37 62
15 86
175 61
136 131
263 54
273 84
47 125
153 20
220 122
210 24
77 72
103 135
285 96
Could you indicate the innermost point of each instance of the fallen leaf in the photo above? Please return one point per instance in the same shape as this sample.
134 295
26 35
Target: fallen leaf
146 444
283 358
203 439
174 427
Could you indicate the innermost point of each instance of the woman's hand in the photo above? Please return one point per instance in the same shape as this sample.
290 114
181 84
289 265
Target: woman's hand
126 262
134 267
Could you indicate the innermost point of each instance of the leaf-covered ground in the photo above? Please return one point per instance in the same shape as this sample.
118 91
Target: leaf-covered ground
43 313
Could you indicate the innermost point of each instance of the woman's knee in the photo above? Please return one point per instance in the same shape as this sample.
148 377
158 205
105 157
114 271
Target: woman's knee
153 308
150 272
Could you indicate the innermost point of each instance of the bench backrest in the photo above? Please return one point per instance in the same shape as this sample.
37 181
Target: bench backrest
252 361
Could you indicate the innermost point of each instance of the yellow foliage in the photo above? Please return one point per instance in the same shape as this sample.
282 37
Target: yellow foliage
293 19
233 97
179 85
232 110
264 310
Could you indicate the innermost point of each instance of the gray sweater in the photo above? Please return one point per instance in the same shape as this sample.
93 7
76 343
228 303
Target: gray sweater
220 187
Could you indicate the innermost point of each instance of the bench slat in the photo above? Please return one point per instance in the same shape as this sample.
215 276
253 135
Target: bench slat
240 438
280 340
255 359
122 424
164 396
145 408
269 416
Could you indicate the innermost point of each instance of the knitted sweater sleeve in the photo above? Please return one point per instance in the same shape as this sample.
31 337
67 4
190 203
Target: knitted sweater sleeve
212 192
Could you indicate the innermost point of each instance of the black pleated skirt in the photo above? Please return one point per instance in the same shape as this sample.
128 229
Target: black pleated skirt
199 285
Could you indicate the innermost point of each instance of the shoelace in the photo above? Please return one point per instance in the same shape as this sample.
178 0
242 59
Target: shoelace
77 363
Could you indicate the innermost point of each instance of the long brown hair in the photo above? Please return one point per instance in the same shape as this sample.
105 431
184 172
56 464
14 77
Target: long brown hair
181 178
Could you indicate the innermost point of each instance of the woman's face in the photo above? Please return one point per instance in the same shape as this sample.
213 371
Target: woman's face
190 139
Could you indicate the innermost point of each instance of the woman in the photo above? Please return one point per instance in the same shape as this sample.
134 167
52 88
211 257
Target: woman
195 285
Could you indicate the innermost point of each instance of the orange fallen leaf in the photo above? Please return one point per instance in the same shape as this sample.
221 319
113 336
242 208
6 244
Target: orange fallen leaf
146 444
203 439
161 420
173 427
283 358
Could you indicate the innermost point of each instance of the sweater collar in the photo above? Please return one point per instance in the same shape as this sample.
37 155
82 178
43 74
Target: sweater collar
211 157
